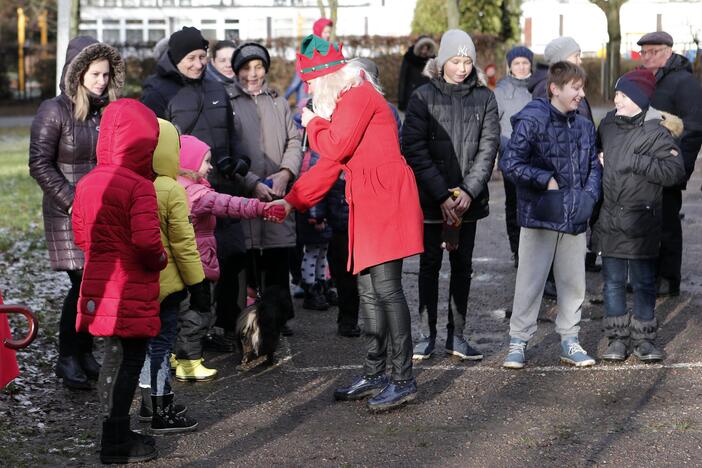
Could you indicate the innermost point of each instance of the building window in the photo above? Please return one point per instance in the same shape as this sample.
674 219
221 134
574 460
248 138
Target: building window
231 29
156 35
209 29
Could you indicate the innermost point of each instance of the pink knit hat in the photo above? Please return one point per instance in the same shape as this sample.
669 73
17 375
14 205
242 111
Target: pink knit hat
192 152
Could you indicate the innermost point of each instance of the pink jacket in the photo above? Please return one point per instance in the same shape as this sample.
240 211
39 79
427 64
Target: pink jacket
206 206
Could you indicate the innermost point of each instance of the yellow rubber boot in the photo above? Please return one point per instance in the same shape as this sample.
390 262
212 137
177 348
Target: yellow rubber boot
173 362
194 371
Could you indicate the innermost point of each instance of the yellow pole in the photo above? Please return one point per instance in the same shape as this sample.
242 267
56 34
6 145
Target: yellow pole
21 24
44 31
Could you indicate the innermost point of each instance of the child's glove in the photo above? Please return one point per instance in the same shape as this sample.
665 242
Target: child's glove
275 213
200 299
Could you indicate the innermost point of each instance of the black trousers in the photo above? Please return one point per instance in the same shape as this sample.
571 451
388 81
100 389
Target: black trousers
461 261
670 254
346 282
385 315
119 374
270 267
511 215
227 291
72 343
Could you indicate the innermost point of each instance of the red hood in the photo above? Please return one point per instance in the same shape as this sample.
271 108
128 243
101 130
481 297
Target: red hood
128 136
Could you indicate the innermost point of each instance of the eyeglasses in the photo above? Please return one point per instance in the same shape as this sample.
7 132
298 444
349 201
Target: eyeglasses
652 52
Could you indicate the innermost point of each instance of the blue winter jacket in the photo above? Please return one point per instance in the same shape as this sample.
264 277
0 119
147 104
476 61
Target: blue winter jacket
546 143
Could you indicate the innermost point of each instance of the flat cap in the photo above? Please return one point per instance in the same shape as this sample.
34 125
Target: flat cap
658 37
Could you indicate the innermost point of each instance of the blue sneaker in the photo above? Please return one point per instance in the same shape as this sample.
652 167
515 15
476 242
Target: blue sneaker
515 356
574 354
362 387
458 346
424 348
396 394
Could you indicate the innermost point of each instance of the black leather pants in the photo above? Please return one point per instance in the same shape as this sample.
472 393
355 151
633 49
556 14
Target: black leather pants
384 315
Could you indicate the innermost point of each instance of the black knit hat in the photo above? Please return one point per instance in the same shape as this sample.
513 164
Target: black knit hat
250 51
185 41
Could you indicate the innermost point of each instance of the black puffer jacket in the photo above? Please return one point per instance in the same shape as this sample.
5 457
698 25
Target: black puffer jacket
162 86
62 149
640 158
679 93
450 138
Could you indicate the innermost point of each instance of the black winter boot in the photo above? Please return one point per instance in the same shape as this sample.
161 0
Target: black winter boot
643 335
330 293
120 445
617 332
314 298
146 408
166 420
89 365
73 375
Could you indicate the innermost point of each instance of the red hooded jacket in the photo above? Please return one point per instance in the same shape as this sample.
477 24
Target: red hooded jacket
115 222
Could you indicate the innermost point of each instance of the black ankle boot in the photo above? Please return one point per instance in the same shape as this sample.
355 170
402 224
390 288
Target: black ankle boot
69 369
120 445
89 365
146 410
166 419
617 332
314 298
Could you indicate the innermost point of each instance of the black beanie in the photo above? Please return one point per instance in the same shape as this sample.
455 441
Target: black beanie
250 51
185 41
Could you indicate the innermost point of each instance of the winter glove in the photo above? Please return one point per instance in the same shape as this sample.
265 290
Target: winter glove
200 299
230 167
275 213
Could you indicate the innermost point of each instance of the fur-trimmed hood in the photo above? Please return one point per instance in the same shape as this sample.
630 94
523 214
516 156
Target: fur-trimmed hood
432 71
673 123
82 60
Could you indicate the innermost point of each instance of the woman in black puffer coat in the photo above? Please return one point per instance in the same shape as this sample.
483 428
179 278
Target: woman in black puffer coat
61 151
450 139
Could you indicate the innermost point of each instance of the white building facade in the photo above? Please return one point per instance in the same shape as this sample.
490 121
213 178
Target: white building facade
140 21
543 20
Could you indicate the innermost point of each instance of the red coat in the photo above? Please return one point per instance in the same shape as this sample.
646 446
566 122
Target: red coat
385 219
115 222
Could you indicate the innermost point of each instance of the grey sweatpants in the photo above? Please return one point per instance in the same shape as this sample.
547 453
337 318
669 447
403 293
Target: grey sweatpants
538 248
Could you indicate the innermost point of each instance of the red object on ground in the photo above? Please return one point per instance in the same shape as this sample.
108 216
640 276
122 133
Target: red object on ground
8 357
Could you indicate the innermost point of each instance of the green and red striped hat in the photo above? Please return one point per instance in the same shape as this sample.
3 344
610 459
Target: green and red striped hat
318 57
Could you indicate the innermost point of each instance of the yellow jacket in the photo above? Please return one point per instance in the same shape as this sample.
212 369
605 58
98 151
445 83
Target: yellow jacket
177 234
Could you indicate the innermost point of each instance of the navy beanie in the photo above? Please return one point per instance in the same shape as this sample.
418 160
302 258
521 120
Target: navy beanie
520 51
638 85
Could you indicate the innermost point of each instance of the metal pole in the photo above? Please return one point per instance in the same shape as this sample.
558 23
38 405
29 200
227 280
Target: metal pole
63 25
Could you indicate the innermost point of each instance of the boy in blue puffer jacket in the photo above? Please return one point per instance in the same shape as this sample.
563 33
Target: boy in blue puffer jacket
552 159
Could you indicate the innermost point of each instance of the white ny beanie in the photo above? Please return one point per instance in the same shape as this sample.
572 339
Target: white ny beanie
455 43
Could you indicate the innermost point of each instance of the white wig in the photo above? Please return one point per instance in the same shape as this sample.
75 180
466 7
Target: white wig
328 88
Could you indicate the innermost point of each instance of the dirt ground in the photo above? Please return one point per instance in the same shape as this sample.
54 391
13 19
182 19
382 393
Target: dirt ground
467 414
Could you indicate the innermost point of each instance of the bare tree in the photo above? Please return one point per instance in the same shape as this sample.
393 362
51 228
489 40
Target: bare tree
453 14
611 10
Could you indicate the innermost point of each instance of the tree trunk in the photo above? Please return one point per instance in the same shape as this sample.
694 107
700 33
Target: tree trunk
322 10
611 9
452 14
75 17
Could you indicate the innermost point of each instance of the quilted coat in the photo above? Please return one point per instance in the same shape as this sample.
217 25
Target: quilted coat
385 219
641 157
62 149
115 221
206 205
546 143
177 234
450 138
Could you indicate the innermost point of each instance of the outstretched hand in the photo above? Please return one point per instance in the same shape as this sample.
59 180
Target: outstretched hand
276 211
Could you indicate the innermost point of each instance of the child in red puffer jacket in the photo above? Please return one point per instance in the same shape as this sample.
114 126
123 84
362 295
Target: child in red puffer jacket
115 222
206 206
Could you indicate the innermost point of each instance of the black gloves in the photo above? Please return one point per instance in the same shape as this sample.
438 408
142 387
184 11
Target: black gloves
200 299
230 167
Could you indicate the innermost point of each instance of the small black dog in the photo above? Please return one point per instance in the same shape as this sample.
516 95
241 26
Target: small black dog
258 326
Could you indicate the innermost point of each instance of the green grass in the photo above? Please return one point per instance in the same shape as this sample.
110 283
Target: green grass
20 196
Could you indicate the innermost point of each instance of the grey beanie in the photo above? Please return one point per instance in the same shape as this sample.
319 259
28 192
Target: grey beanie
455 43
559 49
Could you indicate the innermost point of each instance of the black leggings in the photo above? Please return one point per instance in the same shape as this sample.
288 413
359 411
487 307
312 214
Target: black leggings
119 375
384 314
72 343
